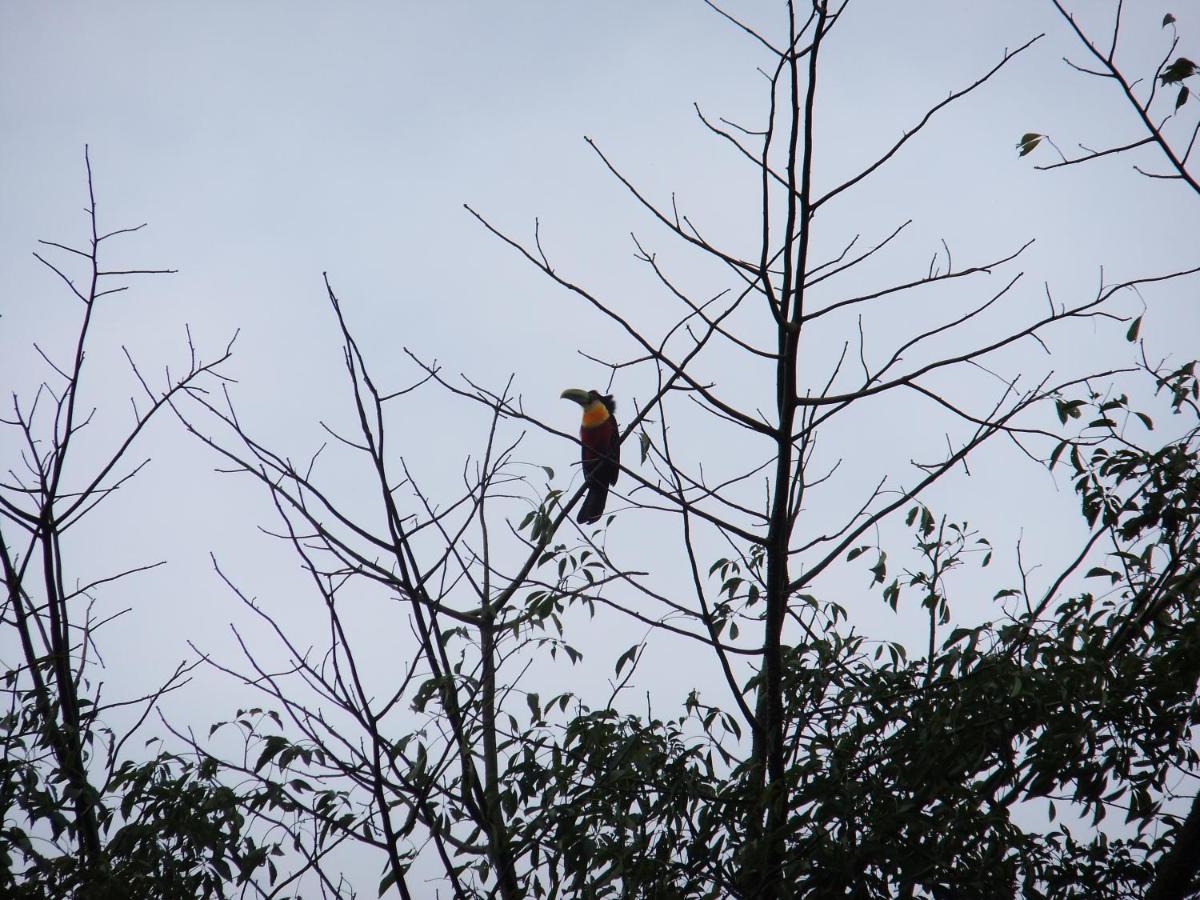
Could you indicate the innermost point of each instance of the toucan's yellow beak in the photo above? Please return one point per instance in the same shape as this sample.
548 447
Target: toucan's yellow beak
582 397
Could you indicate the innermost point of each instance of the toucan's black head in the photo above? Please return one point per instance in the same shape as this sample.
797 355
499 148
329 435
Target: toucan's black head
587 398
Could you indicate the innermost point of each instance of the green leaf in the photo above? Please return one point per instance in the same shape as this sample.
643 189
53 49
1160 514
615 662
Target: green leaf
1146 420
1168 19
644 440
1182 98
879 570
626 657
388 880
1177 71
1028 142
856 552
891 593
1067 409
274 744
1062 445
1132 334
549 472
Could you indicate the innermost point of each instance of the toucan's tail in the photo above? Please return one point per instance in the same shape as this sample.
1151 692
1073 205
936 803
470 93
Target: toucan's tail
593 504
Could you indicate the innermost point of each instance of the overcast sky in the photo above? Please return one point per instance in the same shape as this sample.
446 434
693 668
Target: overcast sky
268 142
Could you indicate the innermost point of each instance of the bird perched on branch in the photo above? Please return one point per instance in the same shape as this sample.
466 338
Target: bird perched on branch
601 441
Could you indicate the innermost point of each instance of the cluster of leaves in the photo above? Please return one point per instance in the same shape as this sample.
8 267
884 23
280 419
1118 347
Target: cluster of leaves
171 827
615 802
914 783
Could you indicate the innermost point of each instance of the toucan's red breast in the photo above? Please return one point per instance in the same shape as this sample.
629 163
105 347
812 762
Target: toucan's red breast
595 413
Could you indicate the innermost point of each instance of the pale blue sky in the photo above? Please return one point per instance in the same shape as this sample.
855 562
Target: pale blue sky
268 142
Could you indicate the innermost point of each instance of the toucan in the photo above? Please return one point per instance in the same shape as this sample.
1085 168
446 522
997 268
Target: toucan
601 441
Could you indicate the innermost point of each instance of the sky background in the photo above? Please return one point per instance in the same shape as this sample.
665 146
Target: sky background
269 142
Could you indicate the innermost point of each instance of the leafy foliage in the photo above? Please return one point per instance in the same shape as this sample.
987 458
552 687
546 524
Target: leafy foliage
170 827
